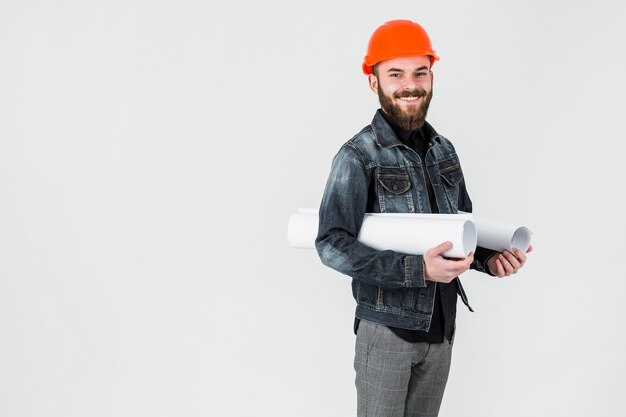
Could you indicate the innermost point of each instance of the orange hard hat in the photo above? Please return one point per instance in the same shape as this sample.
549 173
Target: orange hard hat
397 38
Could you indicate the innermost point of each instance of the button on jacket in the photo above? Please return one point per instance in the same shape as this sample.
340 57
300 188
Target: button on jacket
376 173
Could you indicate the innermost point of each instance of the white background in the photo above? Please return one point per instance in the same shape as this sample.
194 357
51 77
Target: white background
152 152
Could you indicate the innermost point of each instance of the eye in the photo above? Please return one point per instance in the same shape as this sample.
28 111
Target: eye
421 74
394 75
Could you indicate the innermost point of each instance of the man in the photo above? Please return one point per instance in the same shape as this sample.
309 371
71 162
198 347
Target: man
406 304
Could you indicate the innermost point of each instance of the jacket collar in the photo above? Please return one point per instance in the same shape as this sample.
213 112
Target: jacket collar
386 137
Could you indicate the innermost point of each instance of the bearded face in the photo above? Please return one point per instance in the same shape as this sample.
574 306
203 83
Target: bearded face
404 87
407 108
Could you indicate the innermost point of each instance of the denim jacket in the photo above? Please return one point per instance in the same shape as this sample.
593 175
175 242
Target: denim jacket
376 173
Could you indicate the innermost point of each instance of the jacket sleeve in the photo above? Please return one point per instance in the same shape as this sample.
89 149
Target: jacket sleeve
482 255
340 218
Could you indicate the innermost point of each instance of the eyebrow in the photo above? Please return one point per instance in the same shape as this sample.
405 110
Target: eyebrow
401 70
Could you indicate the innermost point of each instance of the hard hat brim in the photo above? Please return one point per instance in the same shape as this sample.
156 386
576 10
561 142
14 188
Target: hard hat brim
368 62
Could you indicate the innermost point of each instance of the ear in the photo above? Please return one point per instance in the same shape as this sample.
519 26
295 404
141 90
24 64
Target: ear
373 82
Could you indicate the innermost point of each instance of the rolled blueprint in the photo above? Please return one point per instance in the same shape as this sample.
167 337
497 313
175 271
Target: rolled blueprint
501 236
407 233
414 234
302 228
492 234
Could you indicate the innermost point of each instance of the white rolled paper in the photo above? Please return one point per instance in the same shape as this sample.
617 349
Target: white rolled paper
414 234
492 234
407 233
302 229
501 236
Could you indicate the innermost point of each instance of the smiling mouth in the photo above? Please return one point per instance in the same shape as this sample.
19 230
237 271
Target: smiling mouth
410 99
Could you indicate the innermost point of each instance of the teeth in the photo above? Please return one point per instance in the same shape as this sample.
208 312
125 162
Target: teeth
408 98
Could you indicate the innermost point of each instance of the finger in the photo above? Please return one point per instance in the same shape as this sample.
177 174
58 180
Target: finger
508 268
439 249
500 268
471 255
460 266
460 262
530 249
512 260
520 256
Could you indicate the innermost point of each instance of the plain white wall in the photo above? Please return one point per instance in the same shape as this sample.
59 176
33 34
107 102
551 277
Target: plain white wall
151 153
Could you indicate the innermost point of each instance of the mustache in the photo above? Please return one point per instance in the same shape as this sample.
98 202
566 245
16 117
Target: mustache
411 93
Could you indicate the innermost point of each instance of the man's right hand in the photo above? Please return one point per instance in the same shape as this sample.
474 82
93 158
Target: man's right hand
440 269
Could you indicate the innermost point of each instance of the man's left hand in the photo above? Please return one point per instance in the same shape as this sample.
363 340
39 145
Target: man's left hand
507 263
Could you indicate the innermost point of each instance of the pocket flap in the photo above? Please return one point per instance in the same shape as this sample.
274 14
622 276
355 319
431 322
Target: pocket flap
452 175
395 184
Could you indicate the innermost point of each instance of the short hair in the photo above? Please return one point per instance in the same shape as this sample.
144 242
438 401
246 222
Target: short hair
375 69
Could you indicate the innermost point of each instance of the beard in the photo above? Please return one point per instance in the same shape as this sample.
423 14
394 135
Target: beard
413 118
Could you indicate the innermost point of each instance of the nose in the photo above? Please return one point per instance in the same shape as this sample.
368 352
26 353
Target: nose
411 84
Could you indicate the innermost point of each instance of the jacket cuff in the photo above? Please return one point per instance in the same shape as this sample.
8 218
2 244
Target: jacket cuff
414 271
481 256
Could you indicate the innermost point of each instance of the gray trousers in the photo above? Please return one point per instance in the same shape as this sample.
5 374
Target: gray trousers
395 378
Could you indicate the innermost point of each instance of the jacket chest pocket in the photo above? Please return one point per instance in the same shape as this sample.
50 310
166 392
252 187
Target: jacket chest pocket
393 186
451 177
